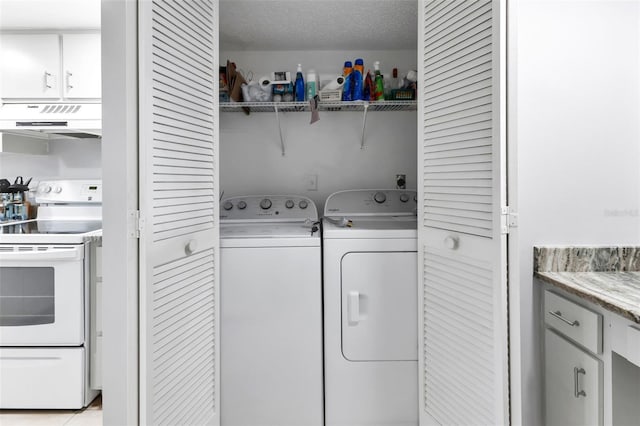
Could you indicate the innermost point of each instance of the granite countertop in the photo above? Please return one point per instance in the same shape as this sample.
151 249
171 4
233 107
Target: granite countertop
607 276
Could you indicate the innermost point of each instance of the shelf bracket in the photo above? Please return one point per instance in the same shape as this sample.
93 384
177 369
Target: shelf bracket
275 108
364 123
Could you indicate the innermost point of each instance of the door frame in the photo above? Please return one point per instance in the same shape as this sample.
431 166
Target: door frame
120 204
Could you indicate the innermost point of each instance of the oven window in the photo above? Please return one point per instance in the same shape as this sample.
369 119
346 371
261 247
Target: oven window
26 296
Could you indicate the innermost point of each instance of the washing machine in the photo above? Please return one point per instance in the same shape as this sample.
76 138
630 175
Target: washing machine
370 308
271 312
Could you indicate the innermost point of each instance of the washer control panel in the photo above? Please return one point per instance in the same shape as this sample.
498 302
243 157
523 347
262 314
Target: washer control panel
268 207
372 202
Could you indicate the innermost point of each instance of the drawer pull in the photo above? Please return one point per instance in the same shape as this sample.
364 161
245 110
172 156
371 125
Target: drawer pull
558 314
578 393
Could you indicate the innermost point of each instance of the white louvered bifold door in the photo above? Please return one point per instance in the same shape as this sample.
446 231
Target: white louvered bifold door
179 241
462 252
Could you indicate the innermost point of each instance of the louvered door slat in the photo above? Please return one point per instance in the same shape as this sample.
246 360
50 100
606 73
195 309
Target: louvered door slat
469 15
458 205
181 148
179 199
463 361
169 104
458 77
469 80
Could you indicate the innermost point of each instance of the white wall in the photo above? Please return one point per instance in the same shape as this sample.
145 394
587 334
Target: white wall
67 158
251 160
578 143
252 163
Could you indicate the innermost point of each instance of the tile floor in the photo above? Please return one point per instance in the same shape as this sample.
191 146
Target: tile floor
90 416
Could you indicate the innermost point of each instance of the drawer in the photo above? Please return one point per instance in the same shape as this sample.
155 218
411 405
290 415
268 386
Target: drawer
574 321
42 378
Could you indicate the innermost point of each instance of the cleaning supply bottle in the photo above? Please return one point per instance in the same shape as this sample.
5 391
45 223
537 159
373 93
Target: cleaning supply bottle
390 83
346 87
299 89
379 83
369 87
312 84
358 80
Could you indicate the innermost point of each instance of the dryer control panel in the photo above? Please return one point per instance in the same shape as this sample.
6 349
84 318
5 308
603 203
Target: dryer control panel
372 202
285 208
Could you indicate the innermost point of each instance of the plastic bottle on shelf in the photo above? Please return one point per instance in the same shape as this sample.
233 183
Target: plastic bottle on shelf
358 80
299 88
346 87
312 84
379 82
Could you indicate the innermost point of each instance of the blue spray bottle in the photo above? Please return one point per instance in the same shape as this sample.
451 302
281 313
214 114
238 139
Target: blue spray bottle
299 85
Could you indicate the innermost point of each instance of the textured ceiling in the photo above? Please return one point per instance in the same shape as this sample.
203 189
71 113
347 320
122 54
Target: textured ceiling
318 24
48 14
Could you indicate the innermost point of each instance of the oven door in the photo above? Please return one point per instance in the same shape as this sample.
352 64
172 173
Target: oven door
42 295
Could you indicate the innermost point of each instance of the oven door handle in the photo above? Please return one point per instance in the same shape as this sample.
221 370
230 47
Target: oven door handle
72 253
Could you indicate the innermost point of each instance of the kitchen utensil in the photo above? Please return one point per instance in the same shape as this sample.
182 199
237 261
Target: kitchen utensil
4 186
19 185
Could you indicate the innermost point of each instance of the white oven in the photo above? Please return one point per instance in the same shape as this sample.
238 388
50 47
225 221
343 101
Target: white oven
48 279
42 295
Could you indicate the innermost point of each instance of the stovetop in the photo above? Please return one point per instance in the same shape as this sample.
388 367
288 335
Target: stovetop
50 231
51 227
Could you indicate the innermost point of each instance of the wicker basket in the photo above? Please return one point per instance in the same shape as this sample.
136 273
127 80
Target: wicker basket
402 95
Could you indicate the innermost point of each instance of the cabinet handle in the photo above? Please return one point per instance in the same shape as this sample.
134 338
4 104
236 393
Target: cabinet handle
576 385
69 75
558 314
47 80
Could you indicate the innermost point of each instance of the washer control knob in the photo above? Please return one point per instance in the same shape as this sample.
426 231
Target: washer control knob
57 190
265 204
228 205
303 204
404 198
380 197
46 189
289 204
242 205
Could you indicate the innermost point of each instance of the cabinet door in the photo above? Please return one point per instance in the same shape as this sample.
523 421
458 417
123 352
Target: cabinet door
572 384
30 66
81 65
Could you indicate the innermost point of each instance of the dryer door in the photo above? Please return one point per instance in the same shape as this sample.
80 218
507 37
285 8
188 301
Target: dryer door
379 309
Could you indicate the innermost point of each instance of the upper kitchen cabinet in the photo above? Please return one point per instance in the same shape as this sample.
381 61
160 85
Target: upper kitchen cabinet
81 66
32 67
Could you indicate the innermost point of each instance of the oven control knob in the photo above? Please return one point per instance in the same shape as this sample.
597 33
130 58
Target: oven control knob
404 198
379 197
289 204
46 189
242 205
265 204
57 190
228 205
303 204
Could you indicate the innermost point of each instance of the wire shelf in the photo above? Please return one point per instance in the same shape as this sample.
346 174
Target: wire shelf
322 106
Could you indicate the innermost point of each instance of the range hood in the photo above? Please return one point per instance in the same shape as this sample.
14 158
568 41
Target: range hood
48 120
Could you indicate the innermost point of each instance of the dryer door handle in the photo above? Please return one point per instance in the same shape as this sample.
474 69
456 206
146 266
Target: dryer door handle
353 307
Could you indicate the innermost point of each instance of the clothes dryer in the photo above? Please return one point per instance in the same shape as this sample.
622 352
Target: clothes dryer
271 312
370 308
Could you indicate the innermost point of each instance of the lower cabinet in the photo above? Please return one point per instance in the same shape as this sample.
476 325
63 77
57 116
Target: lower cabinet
573 384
